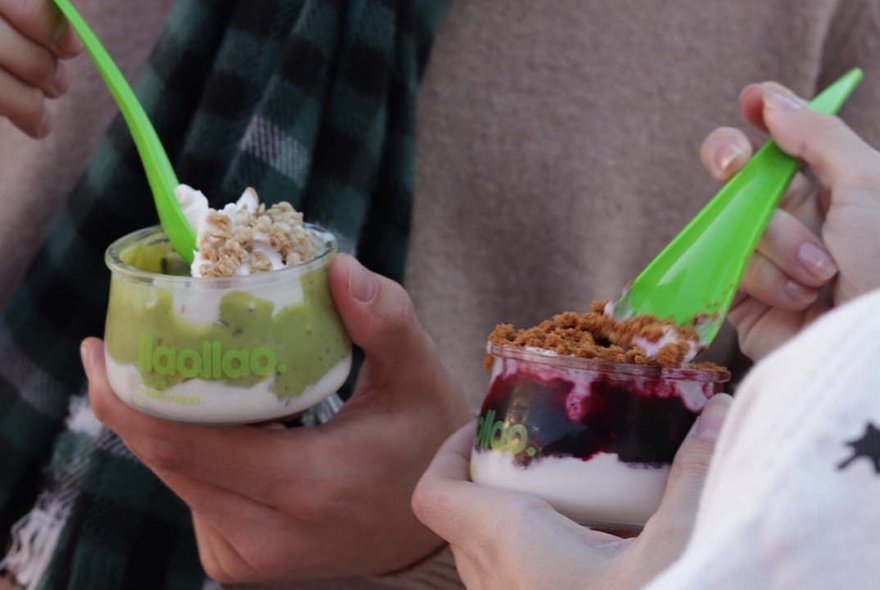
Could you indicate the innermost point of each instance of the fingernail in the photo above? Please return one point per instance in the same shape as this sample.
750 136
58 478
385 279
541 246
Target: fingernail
362 283
727 153
86 355
778 101
817 261
799 293
712 418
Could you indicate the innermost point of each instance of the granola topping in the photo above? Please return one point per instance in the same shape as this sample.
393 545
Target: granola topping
595 334
245 237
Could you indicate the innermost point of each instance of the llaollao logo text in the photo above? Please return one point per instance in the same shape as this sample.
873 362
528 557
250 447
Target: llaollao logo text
210 361
500 435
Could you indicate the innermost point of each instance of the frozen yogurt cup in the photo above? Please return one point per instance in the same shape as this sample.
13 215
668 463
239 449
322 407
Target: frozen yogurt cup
232 349
593 438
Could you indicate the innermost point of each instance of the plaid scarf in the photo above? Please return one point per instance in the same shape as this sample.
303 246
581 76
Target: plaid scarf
308 101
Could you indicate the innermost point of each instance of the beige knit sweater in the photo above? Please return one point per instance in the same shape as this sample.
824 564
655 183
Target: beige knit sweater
558 143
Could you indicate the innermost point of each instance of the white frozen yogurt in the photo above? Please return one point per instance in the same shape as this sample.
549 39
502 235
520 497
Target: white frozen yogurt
670 336
213 402
244 232
601 491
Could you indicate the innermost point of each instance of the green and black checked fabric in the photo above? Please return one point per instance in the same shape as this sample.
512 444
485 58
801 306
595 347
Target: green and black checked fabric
308 101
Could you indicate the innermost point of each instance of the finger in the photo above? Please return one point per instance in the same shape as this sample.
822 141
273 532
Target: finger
379 316
447 502
41 22
834 152
724 151
213 502
30 63
23 105
796 251
250 461
221 560
667 532
802 199
239 534
767 283
751 103
226 521
762 328
471 516
452 460
691 463
674 519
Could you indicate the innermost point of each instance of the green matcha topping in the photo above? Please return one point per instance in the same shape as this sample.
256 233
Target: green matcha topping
250 341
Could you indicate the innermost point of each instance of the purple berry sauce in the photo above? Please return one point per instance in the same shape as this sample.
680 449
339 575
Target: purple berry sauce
640 419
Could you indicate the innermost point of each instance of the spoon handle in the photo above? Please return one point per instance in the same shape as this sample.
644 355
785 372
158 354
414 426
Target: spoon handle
159 171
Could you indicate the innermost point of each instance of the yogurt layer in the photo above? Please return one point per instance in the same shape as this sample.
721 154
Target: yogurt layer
600 491
215 402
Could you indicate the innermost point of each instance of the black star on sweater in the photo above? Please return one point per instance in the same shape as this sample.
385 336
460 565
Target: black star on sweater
868 446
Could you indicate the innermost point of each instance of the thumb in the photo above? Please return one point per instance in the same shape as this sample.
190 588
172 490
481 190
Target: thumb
678 508
668 531
834 152
91 352
378 314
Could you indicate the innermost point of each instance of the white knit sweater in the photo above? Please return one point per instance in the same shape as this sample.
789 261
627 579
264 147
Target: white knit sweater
791 500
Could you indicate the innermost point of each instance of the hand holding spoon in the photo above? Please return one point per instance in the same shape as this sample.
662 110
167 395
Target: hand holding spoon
695 277
160 173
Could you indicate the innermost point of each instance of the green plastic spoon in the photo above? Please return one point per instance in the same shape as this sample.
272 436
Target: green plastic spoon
160 173
695 277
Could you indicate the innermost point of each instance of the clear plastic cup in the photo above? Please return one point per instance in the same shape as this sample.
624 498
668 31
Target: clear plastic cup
593 438
221 350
